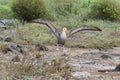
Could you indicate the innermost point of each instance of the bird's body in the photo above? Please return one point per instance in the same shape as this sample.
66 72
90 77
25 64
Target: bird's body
63 36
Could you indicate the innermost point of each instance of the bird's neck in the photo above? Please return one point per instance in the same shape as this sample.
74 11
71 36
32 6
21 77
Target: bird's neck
63 32
63 35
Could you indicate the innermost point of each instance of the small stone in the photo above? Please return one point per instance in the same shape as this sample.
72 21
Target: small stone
87 62
1 38
111 56
117 68
40 47
16 59
105 56
5 50
79 74
95 51
7 39
64 54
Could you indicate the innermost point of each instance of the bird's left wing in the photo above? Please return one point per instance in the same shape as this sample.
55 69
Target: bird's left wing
52 27
85 27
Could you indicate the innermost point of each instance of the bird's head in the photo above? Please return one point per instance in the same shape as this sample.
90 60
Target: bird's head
65 30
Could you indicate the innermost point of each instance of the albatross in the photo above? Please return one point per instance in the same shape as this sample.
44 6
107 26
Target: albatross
61 38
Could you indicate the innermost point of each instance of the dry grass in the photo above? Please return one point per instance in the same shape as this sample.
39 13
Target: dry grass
34 64
108 37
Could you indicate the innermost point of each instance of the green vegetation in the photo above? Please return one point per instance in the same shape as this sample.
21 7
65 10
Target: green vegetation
72 13
34 34
5 10
107 38
69 13
53 69
106 9
29 9
5 2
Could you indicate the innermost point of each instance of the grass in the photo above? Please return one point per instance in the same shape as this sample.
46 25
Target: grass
31 34
5 12
28 68
5 2
107 38
34 34
5 9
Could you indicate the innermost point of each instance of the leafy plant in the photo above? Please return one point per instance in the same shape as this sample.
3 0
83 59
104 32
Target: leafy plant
5 12
29 9
105 9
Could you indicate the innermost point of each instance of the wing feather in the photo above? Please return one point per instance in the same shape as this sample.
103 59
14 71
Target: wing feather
85 27
51 26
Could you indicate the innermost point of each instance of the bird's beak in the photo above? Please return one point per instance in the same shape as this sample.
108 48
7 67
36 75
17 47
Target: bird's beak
67 31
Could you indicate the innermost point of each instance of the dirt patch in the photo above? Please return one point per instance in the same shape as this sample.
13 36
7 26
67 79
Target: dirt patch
84 63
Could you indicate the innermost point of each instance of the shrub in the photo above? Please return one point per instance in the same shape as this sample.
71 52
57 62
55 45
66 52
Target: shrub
5 12
5 2
67 7
105 9
29 9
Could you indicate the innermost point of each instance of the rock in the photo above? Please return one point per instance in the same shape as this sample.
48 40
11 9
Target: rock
16 48
1 38
116 48
81 74
87 62
117 68
6 50
95 51
111 56
7 39
20 47
9 54
16 59
40 47
64 54
2 24
105 56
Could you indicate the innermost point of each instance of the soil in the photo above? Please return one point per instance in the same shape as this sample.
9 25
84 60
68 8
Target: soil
87 66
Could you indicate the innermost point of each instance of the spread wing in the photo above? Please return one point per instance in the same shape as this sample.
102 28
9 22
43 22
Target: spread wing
85 27
52 27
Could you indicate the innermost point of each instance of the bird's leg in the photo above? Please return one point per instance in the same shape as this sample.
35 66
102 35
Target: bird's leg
57 47
64 50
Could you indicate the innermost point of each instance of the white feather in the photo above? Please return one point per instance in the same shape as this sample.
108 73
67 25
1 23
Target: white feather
63 34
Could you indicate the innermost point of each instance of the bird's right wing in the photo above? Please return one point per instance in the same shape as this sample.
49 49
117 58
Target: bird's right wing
52 27
85 27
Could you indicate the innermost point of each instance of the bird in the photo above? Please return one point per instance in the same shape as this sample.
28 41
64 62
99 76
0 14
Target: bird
61 38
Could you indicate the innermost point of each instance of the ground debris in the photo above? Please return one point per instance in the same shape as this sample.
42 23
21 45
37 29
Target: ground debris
16 48
110 56
117 69
40 47
6 39
16 59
